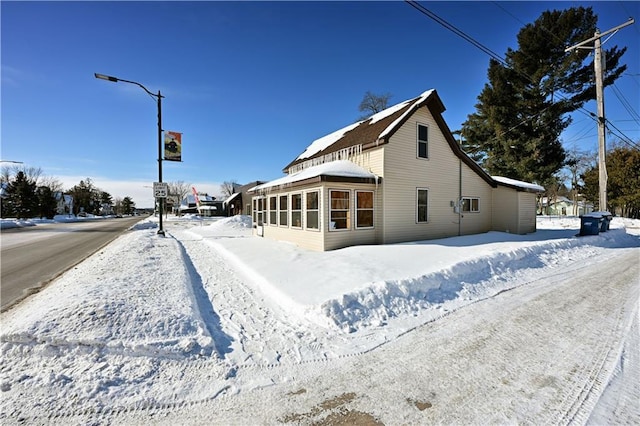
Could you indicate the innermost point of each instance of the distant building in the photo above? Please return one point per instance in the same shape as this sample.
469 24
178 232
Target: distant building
562 206
240 201
64 203
204 205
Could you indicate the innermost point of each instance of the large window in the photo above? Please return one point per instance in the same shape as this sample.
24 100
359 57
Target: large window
339 210
470 204
364 209
296 210
273 213
423 141
422 197
284 210
312 202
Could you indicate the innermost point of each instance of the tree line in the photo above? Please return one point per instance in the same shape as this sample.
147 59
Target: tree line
27 193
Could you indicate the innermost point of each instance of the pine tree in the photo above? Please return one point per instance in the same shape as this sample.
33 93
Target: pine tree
522 110
21 199
128 206
46 202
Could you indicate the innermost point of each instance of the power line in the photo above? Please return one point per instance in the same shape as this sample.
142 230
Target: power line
625 103
498 58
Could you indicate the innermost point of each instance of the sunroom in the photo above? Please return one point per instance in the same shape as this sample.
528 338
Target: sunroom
324 207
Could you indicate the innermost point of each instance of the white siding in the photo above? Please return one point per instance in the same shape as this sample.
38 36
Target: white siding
514 211
404 172
351 237
526 212
505 210
324 238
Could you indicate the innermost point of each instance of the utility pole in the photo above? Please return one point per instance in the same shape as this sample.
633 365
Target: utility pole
599 68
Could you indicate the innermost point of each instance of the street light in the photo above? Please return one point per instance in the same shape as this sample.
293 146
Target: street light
159 98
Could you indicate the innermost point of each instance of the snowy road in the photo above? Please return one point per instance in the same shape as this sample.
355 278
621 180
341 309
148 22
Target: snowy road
541 353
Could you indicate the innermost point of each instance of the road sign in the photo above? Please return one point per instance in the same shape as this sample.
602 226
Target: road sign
160 189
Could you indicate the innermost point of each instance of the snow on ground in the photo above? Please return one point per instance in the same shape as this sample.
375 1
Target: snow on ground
157 323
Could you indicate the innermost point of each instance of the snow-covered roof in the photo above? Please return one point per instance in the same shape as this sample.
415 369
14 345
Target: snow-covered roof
365 126
231 197
518 183
341 168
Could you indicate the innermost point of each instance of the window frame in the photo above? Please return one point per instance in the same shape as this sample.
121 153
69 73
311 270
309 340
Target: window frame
273 210
419 141
258 211
470 205
426 206
372 209
296 212
284 212
307 210
347 210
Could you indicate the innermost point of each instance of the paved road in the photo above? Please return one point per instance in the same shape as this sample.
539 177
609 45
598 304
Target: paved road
32 257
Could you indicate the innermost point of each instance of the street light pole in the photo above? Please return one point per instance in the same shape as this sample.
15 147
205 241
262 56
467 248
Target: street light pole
159 99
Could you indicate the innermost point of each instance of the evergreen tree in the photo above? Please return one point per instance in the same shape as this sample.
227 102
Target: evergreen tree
85 197
623 187
46 202
522 110
20 198
128 206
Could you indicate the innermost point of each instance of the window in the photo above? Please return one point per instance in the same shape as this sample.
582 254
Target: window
257 211
470 204
364 209
283 210
263 202
273 213
423 141
296 210
313 211
339 211
421 205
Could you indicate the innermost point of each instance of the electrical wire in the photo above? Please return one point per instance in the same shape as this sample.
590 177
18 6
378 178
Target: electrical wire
495 56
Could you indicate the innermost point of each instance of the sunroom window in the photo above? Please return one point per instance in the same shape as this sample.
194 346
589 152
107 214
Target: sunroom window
312 210
339 210
364 209
296 210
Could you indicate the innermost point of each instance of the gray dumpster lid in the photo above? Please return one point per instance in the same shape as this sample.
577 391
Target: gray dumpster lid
599 215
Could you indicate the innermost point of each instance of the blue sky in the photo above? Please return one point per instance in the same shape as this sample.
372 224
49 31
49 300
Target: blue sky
249 84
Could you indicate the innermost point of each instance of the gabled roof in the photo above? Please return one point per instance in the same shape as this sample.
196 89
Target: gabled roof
378 129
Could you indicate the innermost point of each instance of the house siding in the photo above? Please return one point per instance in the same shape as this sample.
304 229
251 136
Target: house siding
475 187
505 216
440 175
526 213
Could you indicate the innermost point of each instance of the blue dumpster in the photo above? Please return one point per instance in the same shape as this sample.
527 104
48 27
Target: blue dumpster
590 223
606 220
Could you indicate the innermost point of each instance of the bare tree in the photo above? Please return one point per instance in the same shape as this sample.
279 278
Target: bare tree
372 104
228 188
179 189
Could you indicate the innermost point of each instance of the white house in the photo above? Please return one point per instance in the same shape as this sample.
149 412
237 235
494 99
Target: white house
397 176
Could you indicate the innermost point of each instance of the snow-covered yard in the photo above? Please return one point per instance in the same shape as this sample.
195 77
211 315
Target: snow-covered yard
210 325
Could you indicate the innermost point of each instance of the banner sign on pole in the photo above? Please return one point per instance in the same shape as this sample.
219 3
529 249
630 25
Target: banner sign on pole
172 146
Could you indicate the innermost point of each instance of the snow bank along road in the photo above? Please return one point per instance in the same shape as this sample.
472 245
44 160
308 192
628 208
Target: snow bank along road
541 353
33 256
555 347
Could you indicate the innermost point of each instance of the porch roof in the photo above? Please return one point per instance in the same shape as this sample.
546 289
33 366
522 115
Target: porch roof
345 170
